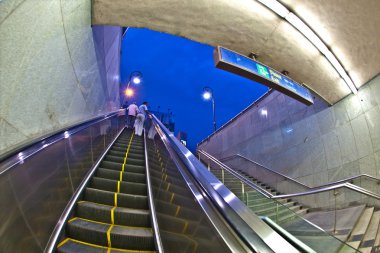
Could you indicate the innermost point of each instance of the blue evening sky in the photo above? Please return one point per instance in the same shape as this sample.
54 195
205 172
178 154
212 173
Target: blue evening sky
175 70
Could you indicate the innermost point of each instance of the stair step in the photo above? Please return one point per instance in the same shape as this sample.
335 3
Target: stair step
126 176
124 187
360 228
368 241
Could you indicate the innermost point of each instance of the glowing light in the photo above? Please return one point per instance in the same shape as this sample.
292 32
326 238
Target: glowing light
207 95
264 112
136 80
305 30
66 134
129 92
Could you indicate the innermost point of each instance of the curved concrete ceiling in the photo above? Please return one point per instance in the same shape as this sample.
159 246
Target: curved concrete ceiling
349 27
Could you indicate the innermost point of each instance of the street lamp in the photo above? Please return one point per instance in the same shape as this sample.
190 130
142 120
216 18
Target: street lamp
207 95
135 77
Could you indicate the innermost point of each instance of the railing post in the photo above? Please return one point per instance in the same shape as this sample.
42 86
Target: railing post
208 165
242 190
335 218
222 175
276 212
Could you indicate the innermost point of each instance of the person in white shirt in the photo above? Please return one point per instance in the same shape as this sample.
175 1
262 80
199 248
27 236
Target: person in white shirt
139 123
132 113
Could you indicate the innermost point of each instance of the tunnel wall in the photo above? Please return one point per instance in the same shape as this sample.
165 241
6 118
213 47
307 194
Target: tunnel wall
56 70
316 144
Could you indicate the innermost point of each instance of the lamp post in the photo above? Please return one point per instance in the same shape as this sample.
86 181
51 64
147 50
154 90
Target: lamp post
134 78
207 95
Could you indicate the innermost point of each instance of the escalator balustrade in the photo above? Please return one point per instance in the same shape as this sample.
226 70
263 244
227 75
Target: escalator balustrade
113 215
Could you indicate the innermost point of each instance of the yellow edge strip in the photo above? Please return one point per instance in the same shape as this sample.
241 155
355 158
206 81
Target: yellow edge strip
171 199
118 186
115 199
103 247
177 211
63 242
109 236
121 176
185 227
113 215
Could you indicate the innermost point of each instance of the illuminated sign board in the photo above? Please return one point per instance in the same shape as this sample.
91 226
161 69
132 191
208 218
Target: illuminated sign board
239 64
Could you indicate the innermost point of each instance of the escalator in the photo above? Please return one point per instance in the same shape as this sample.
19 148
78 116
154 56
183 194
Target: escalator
113 215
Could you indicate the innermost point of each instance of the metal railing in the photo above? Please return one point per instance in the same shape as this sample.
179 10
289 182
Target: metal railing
39 178
249 188
275 179
249 227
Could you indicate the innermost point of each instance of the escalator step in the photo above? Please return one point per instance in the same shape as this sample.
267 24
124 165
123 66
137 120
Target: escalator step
118 166
122 199
122 215
125 187
125 237
74 246
127 176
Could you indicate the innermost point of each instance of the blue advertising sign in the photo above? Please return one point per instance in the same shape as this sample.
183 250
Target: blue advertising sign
247 67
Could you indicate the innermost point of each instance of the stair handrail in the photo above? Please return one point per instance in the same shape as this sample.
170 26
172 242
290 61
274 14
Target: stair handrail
296 181
36 145
309 192
153 215
237 174
296 242
250 231
329 188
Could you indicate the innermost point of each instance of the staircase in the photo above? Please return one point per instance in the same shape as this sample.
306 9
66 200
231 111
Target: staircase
363 234
113 215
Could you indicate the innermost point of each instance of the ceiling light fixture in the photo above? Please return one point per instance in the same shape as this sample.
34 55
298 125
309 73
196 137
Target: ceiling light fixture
306 31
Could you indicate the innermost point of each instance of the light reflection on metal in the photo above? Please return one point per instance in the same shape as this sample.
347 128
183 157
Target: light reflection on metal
66 134
229 197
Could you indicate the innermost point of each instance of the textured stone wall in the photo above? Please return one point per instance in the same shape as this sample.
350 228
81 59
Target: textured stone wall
55 69
316 144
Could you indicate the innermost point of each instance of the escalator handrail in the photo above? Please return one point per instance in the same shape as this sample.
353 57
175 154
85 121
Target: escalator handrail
53 240
297 194
158 241
34 146
349 179
246 231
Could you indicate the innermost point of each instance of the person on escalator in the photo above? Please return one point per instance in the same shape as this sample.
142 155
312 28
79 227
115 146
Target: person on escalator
132 113
140 118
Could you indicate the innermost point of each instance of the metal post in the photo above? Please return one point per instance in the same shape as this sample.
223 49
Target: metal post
222 175
208 165
335 218
213 111
242 190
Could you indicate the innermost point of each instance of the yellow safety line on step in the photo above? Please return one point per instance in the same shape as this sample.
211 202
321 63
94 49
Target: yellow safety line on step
104 247
105 223
118 186
72 219
113 215
121 176
171 199
109 236
177 211
63 242
126 153
167 188
115 199
185 227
